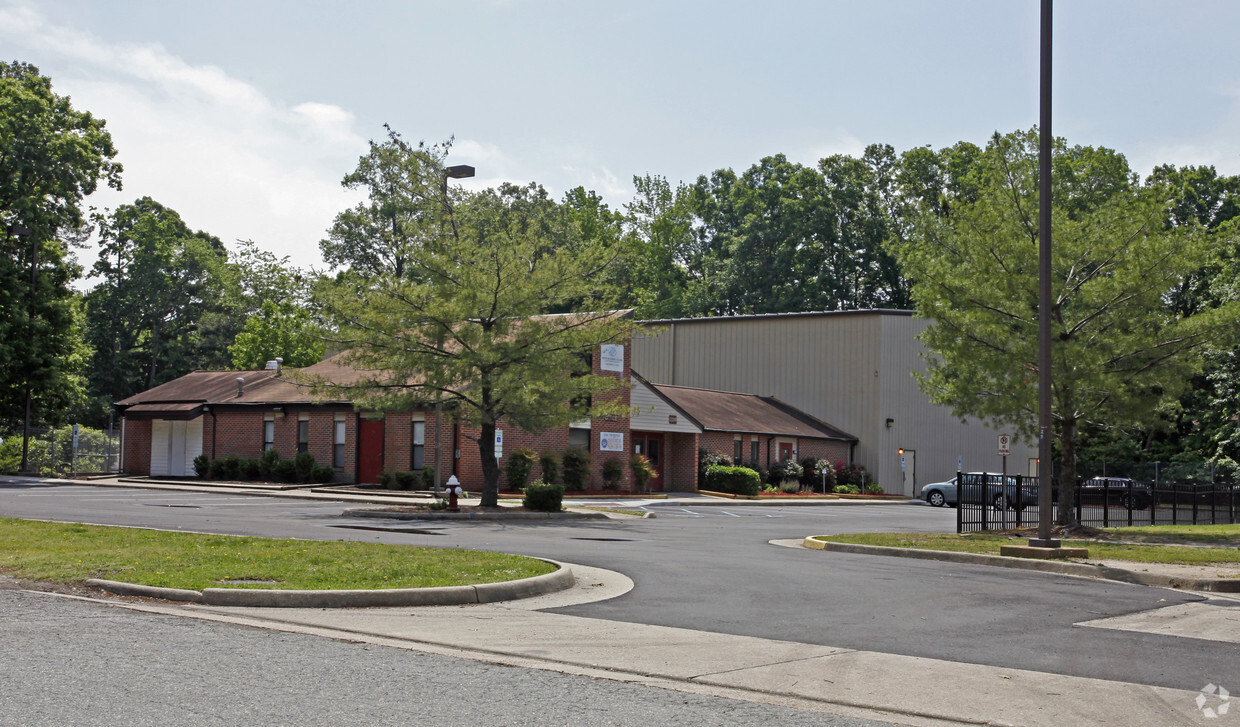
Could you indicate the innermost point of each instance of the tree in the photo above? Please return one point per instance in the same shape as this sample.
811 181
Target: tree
462 323
279 330
159 281
51 156
407 191
1119 348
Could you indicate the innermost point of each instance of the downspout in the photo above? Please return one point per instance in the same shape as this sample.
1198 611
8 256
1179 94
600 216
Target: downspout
456 445
768 450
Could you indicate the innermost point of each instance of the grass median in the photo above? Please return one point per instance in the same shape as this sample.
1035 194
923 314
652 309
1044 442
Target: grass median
1173 545
71 553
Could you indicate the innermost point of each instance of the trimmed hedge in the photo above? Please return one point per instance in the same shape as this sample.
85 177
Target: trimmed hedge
734 480
543 497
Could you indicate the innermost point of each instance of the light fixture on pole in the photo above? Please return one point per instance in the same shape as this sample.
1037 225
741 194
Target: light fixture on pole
459 171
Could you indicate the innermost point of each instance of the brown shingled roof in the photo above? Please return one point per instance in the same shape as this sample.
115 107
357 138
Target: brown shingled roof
725 411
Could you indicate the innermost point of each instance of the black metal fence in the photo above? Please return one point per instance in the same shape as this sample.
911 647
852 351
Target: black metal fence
1097 502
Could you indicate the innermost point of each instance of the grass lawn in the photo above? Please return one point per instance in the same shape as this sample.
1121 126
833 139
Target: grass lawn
988 544
70 553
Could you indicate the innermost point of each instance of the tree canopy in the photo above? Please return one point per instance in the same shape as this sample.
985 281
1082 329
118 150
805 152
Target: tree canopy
51 156
1120 347
466 322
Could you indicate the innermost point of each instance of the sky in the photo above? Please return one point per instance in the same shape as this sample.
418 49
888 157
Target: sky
245 115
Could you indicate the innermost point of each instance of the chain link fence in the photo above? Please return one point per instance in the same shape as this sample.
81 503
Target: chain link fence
57 452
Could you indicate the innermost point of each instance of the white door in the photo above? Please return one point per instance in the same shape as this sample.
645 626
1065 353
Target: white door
176 449
909 472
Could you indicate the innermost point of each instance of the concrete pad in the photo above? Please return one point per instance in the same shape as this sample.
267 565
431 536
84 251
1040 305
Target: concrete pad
908 689
1030 551
1209 621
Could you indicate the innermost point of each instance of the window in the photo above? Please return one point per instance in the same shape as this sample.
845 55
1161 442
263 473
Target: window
338 442
579 438
736 451
269 432
754 451
419 444
303 433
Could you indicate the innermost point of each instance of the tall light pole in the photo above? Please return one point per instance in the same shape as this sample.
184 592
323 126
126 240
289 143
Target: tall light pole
20 231
1045 142
459 171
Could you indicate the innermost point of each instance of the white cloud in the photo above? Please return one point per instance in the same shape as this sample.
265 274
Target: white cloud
228 158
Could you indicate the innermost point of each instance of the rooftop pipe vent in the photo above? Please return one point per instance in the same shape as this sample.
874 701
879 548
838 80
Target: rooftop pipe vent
240 386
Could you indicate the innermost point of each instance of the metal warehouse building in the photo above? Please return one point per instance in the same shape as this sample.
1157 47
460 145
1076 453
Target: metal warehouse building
853 369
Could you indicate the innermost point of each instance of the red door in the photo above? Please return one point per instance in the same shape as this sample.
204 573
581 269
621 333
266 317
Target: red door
651 445
369 451
785 451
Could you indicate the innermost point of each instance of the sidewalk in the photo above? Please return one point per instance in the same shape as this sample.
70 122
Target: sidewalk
902 689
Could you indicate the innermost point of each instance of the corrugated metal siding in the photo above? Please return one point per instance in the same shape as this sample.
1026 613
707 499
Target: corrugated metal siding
937 437
826 366
853 371
652 412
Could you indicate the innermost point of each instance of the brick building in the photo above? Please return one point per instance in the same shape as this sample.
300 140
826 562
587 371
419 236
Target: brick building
243 413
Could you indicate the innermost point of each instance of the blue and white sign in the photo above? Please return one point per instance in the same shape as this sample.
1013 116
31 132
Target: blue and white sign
611 357
611 442
499 443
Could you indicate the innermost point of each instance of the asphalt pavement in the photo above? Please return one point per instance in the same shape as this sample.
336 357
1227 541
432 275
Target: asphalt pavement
831 632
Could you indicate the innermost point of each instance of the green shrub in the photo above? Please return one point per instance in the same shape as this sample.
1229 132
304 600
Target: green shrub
708 458
576 468
786 471
202 465
405 480
232 467
248 469
267 463
756 466
873 489
642 470
388 480
323 473
543 497
848 489
821 472
613 470
304 464
735 480
518 466
286 471
550 468
428 477
216 469
790 487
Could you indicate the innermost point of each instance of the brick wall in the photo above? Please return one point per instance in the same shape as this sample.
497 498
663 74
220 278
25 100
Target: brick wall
137 453
469 467
680 462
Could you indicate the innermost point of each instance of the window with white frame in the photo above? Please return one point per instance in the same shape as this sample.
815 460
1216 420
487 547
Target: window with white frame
303 433
269 432
419 444
338 441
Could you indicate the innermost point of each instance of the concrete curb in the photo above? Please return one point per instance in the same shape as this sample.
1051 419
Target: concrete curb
1216 585
444 515
561 579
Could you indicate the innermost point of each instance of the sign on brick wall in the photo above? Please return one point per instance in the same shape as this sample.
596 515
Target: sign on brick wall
611 357
611 442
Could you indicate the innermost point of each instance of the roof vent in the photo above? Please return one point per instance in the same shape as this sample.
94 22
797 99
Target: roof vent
274 365
240 386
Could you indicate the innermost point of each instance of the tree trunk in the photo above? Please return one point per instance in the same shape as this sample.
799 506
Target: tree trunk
1066 514
490 468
